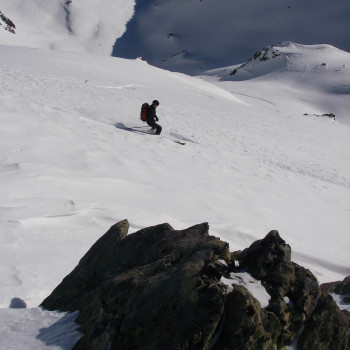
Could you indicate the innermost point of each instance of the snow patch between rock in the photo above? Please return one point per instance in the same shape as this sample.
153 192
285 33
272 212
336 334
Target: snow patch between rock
254 286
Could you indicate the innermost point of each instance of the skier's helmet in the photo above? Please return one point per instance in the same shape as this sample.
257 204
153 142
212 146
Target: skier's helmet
155 102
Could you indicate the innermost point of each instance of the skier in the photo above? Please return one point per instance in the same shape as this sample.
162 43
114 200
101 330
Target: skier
152 117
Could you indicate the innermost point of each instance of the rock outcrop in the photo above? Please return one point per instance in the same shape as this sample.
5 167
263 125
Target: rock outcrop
339 287
342 288
160 288
7 23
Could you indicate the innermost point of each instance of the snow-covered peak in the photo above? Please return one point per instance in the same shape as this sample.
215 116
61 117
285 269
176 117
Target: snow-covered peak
315 77
289 57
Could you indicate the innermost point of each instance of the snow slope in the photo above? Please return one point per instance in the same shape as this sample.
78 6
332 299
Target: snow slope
78 25
69 173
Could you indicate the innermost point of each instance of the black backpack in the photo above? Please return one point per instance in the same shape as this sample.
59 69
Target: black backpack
144 110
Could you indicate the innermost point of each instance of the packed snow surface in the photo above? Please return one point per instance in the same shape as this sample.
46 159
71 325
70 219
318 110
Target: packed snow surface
247 167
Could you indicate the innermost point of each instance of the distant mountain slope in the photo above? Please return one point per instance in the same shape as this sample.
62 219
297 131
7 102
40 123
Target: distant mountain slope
183 35
71 25
192 35
315 77
325 63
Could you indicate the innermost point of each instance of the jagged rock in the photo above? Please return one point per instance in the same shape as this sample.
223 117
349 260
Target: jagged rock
17 303
330 286
305 292
329 115
269 260
160 288
154 289
10 26
246 326
326 328
339 287
289 323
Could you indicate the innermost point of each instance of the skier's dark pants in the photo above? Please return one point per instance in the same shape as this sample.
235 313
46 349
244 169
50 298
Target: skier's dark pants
156 126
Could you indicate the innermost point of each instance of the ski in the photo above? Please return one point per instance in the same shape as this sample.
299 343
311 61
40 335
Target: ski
136 129
179 142
174 140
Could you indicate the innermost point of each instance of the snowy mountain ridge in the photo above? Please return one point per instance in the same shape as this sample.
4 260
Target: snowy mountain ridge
289 57
182 35
194 36
316 74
